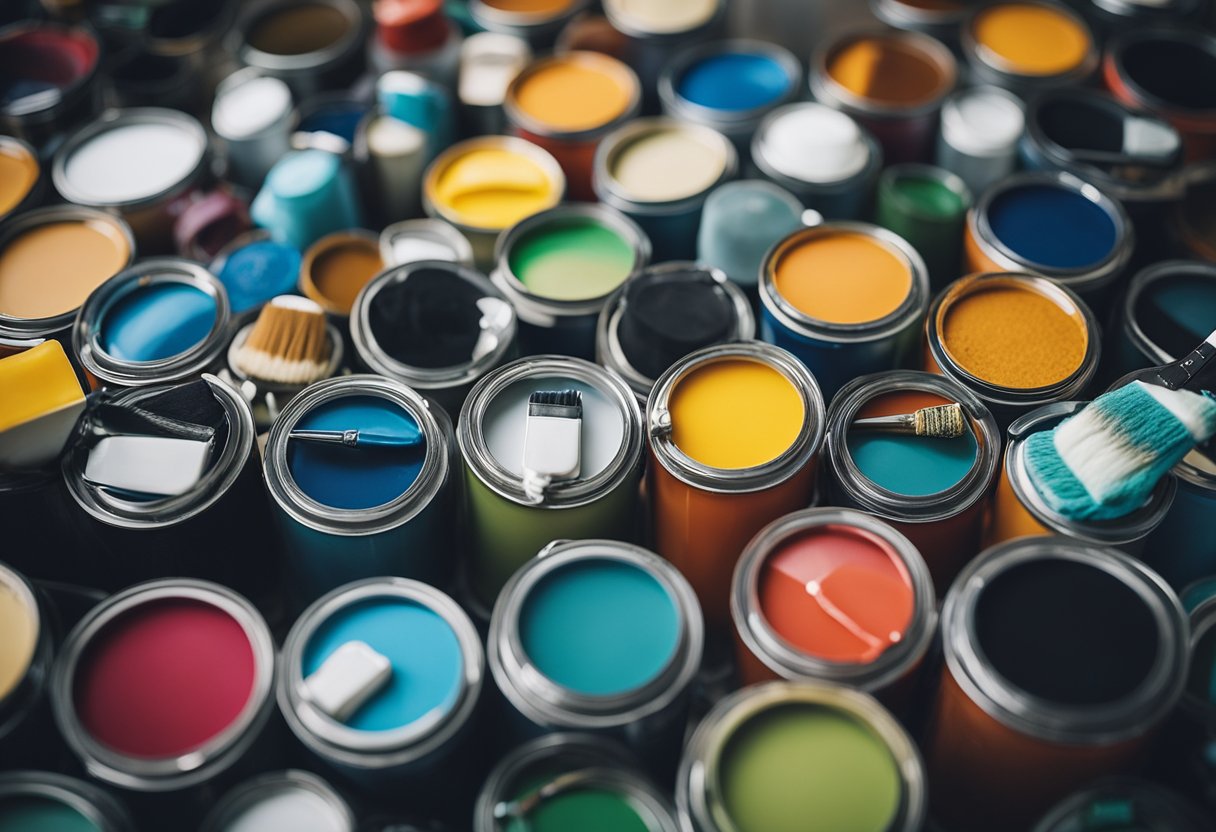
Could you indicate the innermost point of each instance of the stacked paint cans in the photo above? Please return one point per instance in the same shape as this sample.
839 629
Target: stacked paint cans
421 416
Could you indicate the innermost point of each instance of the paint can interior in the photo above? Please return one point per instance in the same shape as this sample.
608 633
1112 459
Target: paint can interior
313 46
50 82
21 179
44 800
336 267
281 800
254 268
1028 46
424 239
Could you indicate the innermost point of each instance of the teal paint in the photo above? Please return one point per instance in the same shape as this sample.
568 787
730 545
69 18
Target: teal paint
356 478
423 648
35 814
1177 312
158 321
599 627
912 465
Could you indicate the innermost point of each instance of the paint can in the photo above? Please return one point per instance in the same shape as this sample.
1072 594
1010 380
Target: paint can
506 524
434 325
565 659
656 31
289 799
933 491
254 268
730 85
979 135
778 755
211 221
734 433
392 155
306 195
538 21
43 800
162 320
606 786
1027 714
424 239
190 36
1168 308
846 298
1118 800
465 184
416 37
345 514
51 259
22 185
52 82
741 221
784 631
130 539
567 104
137 163
559 267
196 713
1180 547
927 206
1027 46
658 172
253 115
412 736
893 83
139 77
590 31
1159 69
1015 340
938 18
25 668
1053 224
326 116
336 267
488 63
822 156
1018 509
1194 220
662 314
420 103
312 46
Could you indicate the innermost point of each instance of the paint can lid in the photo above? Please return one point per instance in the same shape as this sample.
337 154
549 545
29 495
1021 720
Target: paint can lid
813 143
983 121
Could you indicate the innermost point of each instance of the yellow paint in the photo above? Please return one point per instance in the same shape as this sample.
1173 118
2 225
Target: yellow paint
493 189
576 91
667 164
19 624
1030 39
843 278
18 173
735 413
34 383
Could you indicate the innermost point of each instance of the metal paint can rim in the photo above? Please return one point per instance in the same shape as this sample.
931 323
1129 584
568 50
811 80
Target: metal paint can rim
36 190
795 184
36 112
1193 37
1202 620
526 25
97 806
236 41
726 120
246 794
619 70
425 227
992 70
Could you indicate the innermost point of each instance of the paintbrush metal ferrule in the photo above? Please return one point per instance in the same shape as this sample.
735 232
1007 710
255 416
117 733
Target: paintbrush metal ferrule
356 438
943 421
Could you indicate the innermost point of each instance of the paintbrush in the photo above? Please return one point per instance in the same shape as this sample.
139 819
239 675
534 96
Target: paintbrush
943 421
552 440
524 806
288 344
360 438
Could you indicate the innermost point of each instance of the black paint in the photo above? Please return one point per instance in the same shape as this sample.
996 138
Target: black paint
429 320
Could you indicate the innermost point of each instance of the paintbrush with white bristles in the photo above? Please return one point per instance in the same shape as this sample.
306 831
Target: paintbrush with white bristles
289 343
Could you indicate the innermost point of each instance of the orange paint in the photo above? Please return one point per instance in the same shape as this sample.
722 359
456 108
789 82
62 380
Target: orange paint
18 174
530 7
1009 519
50 269
837 593
337 267
843 278
1031 39
575 91
887 70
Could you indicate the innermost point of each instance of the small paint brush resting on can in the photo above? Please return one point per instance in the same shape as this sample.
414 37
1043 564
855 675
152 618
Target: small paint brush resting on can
942 421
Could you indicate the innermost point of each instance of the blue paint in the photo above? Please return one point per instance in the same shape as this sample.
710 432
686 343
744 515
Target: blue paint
911 465
306 195
341 118
255 273
422 647
599 627
355 478
1052 227
158 321
734 81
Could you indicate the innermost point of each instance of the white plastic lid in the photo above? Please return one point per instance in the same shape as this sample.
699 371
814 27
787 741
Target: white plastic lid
489 62
982 121
814 143
250 107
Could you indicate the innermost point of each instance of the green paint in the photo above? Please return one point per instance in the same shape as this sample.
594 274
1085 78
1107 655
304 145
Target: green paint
800 767
929 196
575 260
582 809
24 814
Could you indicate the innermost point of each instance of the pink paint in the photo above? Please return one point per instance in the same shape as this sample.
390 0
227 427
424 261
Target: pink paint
162 679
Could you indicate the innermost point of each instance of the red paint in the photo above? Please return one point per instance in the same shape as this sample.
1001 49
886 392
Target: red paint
51 54
162 679
411 26
862 602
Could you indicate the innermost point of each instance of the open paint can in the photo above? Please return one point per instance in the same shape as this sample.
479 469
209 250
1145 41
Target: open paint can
410 734
741 221
537 21
978 141
508 516
1198 705
253 116
780 755
51 79
1028 46
281 800
559 267
21 177
1120 800
656 31
42 800
734 432
26 655
1168 308
566 659
846 298
161 320
336 267
409 241
1027 714
927 206
1015 340
933 490
603 785
868 622
346 513
938 18
254 269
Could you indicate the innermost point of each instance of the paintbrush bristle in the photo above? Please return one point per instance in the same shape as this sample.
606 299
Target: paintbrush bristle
288 344
944 421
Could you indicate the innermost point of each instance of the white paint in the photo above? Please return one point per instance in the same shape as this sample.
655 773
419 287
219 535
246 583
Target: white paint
489 63
982 122
814 143
293 809
410 249
667 164
1149 137
250 107
661 16
132 162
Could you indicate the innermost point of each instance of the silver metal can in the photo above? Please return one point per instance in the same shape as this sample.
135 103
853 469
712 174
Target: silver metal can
280 800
